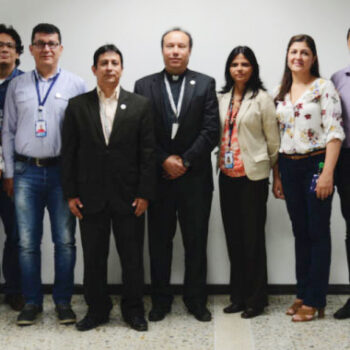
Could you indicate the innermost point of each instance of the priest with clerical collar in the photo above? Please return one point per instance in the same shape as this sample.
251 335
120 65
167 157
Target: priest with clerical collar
187 130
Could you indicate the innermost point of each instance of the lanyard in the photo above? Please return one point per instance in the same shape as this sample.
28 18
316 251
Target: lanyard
42 102
230 128
231 121
176 109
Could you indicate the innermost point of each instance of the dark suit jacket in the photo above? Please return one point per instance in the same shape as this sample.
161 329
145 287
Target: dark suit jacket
116 173
198 131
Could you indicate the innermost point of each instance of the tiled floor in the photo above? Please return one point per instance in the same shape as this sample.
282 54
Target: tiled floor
180 331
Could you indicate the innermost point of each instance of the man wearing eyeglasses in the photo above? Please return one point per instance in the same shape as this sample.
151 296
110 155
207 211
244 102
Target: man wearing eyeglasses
10 50
34 111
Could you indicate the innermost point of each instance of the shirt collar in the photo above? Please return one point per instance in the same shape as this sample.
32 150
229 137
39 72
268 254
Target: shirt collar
114 96
12 75
37 74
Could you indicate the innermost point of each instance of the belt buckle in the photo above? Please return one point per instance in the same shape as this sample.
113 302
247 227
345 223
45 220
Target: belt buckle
37 162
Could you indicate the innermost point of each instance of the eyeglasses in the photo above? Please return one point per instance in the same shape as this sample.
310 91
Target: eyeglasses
41 44
8 45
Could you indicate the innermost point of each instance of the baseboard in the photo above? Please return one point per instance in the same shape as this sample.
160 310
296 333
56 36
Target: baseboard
213 289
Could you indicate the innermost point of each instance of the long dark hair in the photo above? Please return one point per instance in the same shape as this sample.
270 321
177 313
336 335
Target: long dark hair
287 80
254 83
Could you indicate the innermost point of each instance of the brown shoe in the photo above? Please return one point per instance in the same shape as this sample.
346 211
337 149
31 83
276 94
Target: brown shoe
16 301
293 309
308 313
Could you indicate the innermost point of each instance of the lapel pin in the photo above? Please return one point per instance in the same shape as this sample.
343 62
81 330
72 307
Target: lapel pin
193 82
122 106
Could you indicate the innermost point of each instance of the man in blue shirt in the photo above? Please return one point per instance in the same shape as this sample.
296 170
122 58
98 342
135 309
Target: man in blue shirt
341 80
34 111
10 49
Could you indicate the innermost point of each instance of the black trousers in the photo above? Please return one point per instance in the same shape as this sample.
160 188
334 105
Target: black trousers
342 176
190 203
10 260
128 232
243 208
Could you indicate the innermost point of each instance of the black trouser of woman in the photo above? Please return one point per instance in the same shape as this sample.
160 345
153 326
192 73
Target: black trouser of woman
243 209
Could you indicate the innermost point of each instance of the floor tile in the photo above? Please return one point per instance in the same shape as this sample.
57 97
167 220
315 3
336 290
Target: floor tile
180 331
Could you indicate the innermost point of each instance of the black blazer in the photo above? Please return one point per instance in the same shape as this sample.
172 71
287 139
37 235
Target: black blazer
116 173
198 131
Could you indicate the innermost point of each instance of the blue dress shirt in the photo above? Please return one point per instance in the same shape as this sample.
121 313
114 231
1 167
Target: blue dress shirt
21 112
3 89
341 80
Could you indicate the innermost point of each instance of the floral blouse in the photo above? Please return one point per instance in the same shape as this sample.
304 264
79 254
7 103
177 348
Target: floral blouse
313 121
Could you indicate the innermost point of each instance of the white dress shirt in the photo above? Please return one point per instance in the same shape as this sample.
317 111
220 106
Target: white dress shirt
108 108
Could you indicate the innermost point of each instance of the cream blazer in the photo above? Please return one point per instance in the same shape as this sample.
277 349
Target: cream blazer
258 134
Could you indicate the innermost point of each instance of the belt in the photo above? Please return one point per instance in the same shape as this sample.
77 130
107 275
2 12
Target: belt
303 156
39 162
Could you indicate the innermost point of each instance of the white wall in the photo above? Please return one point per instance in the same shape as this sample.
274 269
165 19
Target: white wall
136 28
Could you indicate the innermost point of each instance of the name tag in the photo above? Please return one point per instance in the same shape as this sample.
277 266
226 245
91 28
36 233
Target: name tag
40 128
229 161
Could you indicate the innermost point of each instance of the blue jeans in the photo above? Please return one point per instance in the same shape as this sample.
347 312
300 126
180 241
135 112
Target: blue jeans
10 262
36 188
310 218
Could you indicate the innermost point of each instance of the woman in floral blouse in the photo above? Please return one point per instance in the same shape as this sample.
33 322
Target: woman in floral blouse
248 149
309 116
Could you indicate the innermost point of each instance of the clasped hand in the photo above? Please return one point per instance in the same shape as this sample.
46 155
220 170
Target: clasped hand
173 167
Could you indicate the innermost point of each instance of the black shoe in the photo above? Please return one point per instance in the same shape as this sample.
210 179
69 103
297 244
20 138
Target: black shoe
16 301
201 313
343 312
28 315
251 312
137 322
90 322
158 313
65 314
233 308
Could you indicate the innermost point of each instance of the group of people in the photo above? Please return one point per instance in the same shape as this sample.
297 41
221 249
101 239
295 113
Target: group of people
108 155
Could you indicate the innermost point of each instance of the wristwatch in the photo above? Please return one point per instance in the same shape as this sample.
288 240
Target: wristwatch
186 163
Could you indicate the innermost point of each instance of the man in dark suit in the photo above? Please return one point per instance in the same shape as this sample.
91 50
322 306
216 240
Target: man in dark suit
108 151
187 129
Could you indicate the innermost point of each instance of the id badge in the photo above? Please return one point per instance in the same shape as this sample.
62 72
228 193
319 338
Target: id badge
229 162
174 129
314 183
40 128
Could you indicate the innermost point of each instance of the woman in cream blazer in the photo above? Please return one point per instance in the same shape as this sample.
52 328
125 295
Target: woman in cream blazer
248 149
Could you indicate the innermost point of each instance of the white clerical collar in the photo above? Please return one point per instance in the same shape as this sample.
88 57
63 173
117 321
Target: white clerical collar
175 77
